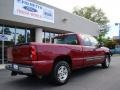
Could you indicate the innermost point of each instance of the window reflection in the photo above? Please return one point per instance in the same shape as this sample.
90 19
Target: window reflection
1 29
20 36
56 34
15 35
48 36
28 36
7 31
52 35
1 45
10 34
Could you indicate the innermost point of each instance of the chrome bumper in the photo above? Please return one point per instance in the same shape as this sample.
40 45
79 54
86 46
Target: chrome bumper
19 69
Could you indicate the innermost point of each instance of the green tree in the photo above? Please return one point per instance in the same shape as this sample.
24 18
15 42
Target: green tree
110 43
6 31
21 38
95 15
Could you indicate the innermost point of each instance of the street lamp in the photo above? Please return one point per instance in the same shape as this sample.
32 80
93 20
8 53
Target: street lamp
118 24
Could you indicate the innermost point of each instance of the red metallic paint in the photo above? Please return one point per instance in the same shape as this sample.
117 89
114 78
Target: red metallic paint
80 55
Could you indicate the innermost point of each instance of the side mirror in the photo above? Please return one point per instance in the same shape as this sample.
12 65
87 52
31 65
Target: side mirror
99 45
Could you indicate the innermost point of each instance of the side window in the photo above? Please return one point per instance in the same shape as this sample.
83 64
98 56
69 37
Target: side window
71 39
86 41
93 41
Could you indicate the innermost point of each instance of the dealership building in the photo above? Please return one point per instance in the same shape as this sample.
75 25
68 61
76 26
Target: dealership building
23 21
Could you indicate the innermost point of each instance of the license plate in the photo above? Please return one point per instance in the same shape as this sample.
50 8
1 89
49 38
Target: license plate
15 66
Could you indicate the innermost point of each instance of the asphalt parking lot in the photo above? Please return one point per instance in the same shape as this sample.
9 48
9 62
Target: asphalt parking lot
92 78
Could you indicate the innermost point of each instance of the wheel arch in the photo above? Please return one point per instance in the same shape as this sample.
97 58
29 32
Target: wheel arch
107 53
66 58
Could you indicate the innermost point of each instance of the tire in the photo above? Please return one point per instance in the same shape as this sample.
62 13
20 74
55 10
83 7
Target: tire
61 73
106 62
31 76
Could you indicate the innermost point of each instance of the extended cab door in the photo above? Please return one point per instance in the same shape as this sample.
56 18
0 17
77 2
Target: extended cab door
76 50
88 51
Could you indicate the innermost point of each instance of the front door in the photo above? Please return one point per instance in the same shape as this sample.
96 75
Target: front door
98 53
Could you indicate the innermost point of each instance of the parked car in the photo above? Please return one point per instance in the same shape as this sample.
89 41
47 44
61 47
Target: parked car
67 53
116 50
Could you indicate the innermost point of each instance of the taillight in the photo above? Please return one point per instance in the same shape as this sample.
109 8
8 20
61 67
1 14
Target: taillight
33 53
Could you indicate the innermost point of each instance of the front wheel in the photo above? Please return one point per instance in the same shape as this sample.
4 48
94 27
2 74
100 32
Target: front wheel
61 72
106 62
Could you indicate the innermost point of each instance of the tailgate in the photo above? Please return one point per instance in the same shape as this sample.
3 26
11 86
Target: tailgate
19 53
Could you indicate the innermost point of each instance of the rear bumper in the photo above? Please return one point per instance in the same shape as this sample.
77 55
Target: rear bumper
20 69
36 68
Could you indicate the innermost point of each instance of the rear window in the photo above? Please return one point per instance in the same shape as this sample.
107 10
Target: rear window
66 39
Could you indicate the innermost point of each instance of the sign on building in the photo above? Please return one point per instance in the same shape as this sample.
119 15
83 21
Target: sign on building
32 10
3 38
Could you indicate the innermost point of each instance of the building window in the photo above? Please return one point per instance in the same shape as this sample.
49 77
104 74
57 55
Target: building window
56 34
28 36
52 35
1 29
1 44
10 34
16 35
48 36
20 36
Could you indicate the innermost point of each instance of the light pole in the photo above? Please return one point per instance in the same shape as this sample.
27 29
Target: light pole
118 24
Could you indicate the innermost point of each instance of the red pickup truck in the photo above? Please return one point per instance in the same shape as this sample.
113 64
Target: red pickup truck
66 53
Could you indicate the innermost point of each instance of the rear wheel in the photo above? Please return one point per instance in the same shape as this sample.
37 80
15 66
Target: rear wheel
106 62
61 72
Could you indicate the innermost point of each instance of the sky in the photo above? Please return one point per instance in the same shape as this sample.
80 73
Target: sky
111 8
